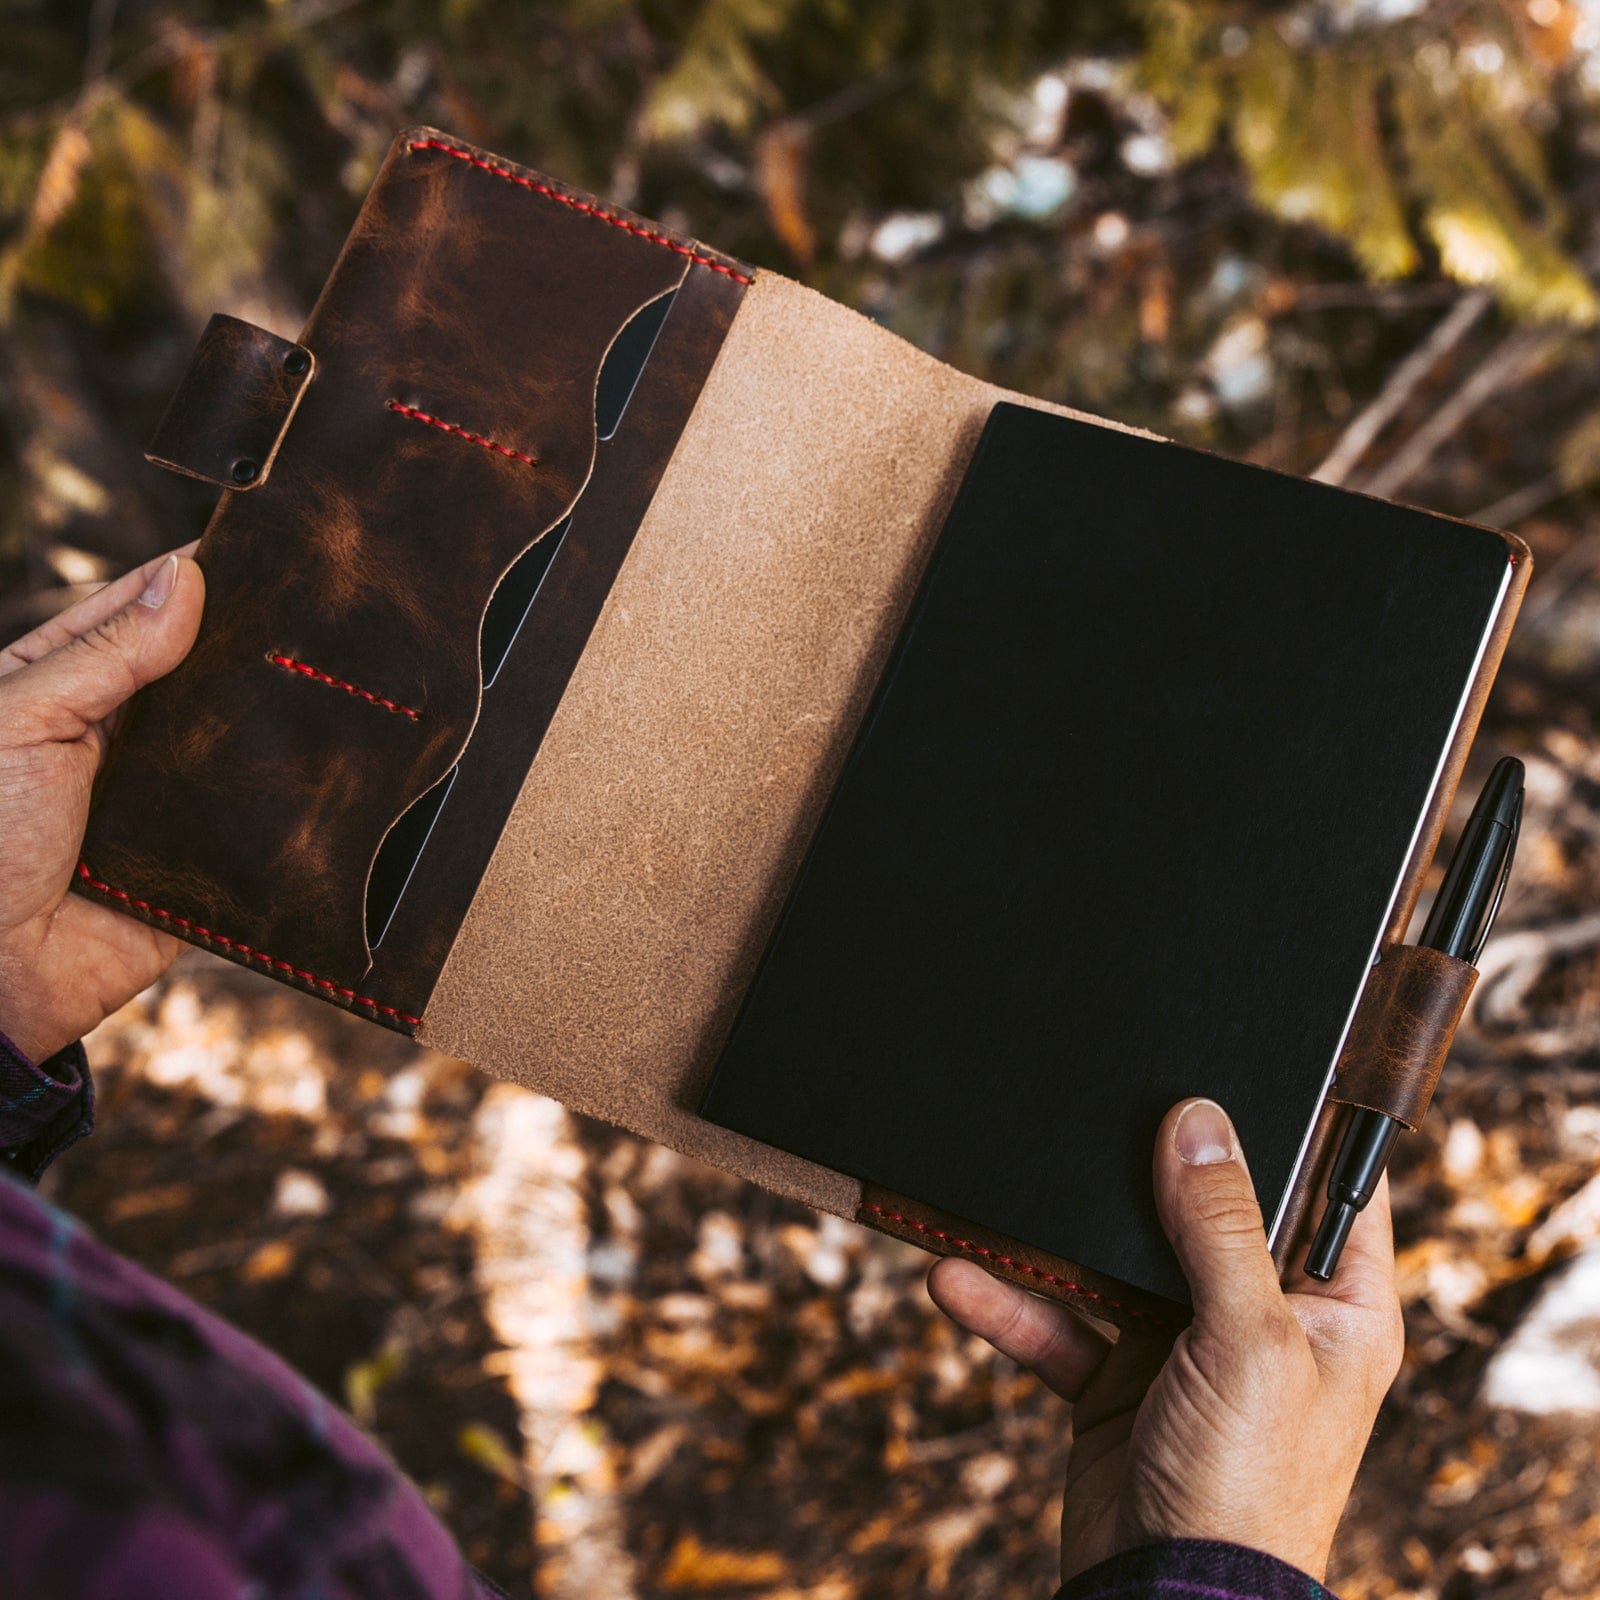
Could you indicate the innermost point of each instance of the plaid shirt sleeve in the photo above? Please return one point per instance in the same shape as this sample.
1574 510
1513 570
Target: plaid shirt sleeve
1194 1569
148 1450
43 1108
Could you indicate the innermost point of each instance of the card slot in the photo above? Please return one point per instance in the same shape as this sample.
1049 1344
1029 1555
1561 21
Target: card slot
402 848
401 851
625 363
533 675
513 600
399 854
619 376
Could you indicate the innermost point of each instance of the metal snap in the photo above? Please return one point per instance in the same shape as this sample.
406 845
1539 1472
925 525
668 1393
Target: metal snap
245 470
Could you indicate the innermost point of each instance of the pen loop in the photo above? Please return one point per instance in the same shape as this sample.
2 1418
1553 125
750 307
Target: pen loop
1500 888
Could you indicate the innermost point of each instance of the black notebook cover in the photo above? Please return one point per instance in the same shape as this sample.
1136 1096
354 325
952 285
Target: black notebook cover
1124 824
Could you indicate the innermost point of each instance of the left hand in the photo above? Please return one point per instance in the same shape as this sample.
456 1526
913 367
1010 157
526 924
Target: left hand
66 963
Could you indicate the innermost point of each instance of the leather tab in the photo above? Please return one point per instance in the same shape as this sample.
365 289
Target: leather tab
1402 1032
234 405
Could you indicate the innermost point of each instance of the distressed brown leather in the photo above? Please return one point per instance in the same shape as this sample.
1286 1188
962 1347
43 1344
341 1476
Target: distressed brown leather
1085 1290
233 406
1402 1031
450 424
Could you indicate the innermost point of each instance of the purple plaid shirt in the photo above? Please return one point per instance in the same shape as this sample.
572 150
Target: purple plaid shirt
149 1451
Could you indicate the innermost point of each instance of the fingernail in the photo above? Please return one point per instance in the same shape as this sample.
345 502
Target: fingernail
1203 1136
161 585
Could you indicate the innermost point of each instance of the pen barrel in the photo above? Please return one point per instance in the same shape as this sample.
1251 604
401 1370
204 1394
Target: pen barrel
1464 908
1368 1143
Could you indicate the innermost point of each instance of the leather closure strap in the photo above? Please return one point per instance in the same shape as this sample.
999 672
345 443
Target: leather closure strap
234 405
1402 1032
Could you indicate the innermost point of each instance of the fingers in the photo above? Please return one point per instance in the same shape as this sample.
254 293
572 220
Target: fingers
1210 1212
1121 1383
1354 1320
1047 1339
88 613
70 688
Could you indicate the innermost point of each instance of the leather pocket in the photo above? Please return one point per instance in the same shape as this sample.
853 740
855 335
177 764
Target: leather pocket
449 426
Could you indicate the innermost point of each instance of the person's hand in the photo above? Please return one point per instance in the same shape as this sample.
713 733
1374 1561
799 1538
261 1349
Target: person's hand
1249 1427
65 963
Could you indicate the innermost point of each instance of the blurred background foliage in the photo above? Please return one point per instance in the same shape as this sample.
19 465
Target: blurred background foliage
1220 220
1351 238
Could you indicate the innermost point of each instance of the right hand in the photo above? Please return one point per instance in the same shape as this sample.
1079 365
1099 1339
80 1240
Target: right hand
1248 1427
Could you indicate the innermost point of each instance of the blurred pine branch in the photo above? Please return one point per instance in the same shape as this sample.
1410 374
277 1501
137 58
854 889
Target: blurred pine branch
1128 204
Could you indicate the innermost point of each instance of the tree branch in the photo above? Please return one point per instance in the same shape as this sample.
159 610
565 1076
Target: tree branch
1403 382
1506 364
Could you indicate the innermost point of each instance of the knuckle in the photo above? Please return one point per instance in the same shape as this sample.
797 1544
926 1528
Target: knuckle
107 643
1052 1341
1226 1210
106 636
1012 1324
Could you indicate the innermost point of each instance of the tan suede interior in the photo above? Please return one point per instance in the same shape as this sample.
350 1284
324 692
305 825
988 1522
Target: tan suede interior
670 803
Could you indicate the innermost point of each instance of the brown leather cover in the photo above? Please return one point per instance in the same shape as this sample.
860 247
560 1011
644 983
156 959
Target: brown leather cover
1402 1030
233 407
740 576
451 423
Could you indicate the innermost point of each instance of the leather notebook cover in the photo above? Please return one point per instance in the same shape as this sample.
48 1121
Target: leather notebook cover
556 566
1124 824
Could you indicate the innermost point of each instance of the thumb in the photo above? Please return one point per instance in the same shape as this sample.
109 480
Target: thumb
1209 1209
84 680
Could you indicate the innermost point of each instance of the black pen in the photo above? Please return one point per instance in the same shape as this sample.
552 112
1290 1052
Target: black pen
1459 923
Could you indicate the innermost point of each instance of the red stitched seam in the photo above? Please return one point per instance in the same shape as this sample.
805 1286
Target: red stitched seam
242 949
461 433
308 671
577 205
1011 1262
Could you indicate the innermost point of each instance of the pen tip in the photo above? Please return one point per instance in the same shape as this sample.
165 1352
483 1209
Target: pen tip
1328 1245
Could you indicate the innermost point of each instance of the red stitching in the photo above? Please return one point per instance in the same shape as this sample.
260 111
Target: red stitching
577 205
338 683
242 949
460 433
973 1248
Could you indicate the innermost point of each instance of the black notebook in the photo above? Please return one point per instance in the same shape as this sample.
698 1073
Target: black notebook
1124 824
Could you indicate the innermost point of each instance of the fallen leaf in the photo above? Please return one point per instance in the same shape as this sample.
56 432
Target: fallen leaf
693 1566
269 1261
